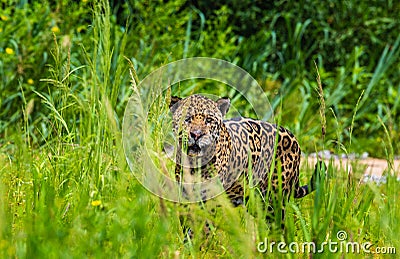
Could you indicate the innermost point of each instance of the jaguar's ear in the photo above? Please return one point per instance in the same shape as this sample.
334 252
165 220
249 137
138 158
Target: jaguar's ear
174 100
223 105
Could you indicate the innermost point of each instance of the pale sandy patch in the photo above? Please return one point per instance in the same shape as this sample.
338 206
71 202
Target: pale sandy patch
373 166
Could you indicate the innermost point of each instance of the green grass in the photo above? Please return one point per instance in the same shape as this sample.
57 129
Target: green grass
62 201
65 187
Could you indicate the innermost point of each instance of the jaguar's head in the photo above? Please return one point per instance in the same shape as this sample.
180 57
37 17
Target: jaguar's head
197 122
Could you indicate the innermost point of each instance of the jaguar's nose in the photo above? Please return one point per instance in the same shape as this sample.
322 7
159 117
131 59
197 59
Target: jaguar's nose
195 134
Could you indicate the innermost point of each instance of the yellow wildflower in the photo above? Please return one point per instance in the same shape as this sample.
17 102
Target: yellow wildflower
55 29
9 51
30 81
3 17
81 28
96 203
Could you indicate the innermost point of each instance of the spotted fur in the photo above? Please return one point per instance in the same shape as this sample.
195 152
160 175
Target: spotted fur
232 148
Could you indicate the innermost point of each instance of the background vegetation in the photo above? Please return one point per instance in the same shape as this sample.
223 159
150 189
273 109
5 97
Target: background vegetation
65 188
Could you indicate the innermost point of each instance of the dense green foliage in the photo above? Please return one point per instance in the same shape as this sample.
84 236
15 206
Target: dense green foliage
355 45
65 188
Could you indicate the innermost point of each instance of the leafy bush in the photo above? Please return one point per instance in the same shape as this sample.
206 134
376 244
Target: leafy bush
354 43
28 32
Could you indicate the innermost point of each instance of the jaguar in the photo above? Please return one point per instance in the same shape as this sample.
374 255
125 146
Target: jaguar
210 147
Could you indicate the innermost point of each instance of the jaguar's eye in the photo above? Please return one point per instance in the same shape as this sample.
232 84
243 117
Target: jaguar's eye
209 120
188 119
